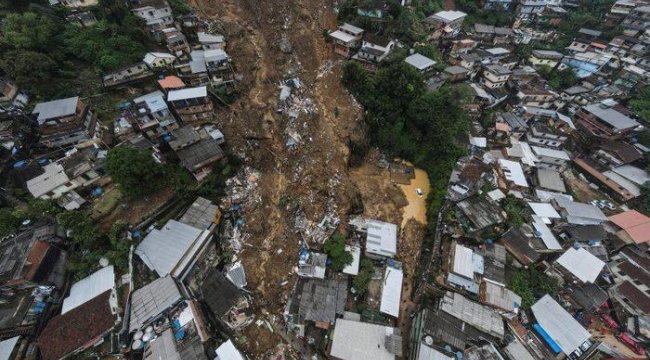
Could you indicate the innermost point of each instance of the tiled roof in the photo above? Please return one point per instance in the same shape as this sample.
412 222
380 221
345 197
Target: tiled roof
77 328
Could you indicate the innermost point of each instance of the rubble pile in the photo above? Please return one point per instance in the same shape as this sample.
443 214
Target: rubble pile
292 102
242 197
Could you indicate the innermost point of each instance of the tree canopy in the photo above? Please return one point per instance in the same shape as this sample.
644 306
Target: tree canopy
334 247
135 171
640 103
360 282
407 121
531 285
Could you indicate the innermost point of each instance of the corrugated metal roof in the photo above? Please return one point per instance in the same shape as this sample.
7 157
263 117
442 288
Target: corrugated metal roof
382 238
392 291
463 261
354 340
161 250
343 36
89 287
228 351
559 324
236 274
612 117
582 264
475 314
499 296
55 108
151 300
420 62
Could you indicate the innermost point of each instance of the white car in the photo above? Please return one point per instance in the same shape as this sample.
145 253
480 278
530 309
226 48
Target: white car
419 192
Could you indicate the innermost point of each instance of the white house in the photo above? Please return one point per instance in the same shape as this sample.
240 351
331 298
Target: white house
156 60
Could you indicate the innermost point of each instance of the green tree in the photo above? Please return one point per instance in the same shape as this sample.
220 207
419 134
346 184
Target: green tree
118 254
179 179
334 247
361 281
640 103
9 222
180 7
81 229
355 77
531 285
515 209
135 171
643 202
103 45
29 31
31 70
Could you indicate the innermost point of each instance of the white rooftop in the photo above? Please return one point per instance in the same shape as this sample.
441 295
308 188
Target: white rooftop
498 51
552 153
567 333
89 287
351 29
582 264
513 172
188 93
353 340
55 109
205 38
545 211
228 351
392 291
428 353
353 268
632 173
150 57
545 234
341 35
163 250
7 347
53 177
382 238
463 261
155 101
449 15
420 62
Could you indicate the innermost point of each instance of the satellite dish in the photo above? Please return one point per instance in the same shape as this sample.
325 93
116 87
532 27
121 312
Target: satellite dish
138 335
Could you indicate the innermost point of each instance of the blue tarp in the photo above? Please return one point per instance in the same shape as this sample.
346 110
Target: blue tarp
554 346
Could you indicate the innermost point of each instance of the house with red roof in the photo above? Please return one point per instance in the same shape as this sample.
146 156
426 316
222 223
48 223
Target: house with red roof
632 226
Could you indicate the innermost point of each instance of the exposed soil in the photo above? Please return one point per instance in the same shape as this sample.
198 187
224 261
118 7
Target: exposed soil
580 189
315 175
